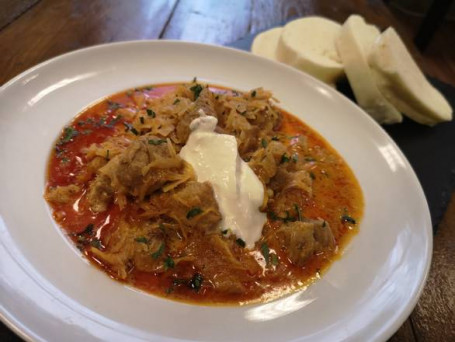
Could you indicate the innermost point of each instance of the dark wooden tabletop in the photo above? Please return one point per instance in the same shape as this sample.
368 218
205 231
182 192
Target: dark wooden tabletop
32 31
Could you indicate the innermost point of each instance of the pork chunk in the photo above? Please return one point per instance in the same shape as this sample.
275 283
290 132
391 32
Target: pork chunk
206 103
303 239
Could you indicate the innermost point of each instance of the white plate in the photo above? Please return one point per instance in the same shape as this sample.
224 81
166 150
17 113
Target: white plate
49 292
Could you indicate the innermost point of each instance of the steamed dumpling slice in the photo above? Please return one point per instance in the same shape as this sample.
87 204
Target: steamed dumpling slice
402 82
354 44
265 43
308 44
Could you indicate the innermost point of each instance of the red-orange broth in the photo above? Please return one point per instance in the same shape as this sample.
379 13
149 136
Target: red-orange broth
337 199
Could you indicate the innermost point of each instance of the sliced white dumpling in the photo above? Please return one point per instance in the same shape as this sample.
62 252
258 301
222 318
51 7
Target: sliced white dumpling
354 44
308 44
402 82
265 43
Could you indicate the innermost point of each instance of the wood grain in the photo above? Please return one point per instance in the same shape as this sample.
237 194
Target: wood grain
434 315
12 9
53 27
211 21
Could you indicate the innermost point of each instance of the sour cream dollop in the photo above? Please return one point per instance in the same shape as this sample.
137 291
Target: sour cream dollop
238 191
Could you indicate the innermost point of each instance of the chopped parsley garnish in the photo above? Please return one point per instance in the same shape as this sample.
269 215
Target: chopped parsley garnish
157 141
253 93
224 232
196 89
265 252
196 282
141 119
295 158
299 214
284 158
65 160
176 101
88 230
151 113
264 143
113 105
348 219
274 259
130 128
113 122
141 239
87 131
193 212
274 216
158 252
68 134
240 242
96 243
168 263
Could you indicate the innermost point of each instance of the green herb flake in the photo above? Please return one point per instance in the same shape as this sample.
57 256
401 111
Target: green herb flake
240 242
297 209
295 158
284 158
141 239
107 155
158 252
65 160
113 105
130 128
88 230
68 134
150 112
265 252
347 219
275 138
96 243
113 122
141 119
253 93
196 89
169 290
193 212
224 232
194 79
176 101
168 263
264 143
157 141
129 93
196 282
312 176
274 216
274 259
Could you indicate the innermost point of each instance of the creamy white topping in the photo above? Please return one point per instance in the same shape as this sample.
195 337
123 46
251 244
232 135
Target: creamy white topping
238 191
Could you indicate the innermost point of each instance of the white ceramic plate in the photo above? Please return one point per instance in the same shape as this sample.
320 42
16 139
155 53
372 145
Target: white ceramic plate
49 292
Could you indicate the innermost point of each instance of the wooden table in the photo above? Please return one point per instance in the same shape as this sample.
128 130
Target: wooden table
32 31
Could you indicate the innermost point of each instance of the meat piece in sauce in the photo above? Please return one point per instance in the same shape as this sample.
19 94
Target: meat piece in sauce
265 161
143 167
303 239
62 194
206 103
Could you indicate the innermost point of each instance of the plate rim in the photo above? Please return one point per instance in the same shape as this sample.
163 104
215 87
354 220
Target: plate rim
386 331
